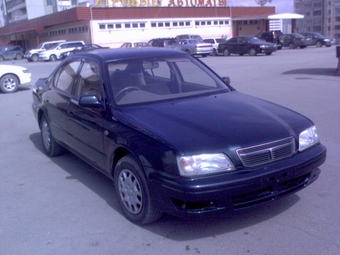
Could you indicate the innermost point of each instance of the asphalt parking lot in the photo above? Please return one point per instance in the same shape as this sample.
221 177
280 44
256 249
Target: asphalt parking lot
62 206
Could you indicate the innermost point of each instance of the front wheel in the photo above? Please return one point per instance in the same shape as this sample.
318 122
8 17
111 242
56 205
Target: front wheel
53 57
51 147
291 46
9 83
133 193
35 57
252 52
318 44
226 52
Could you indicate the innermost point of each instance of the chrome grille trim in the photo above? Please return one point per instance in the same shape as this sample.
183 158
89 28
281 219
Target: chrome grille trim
266 153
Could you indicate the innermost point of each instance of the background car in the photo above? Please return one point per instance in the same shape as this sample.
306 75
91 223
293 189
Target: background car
318 39
195 47
11 52
135 45
246 45
215 42
53 53
85 47
12 76
33 54
168 42
133 115
272 37
295 40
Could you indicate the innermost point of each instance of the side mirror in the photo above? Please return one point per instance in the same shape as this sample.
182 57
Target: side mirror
226 80
91 101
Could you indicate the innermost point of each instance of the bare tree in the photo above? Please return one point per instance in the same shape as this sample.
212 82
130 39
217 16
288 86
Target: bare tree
263 2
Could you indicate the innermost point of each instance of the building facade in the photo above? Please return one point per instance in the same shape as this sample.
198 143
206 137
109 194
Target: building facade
112 26
322 16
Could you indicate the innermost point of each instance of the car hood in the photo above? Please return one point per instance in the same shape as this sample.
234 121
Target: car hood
219 122
11 69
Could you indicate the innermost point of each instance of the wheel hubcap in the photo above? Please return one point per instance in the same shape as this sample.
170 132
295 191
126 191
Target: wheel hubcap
46 135
9 84
130 191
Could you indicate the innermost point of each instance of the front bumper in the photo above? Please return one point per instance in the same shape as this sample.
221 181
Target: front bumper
227 192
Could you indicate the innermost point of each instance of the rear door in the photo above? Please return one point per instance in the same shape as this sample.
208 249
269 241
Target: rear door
58 98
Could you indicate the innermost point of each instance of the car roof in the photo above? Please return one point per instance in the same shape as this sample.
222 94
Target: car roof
126 53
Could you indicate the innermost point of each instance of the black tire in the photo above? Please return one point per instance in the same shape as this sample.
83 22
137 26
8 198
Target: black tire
328 45
9 83
291 46
133 193
318 44
268 53
226 52
35 58
204 55
18 57
51 147
214 53
241 54
1 58
53 57
252 52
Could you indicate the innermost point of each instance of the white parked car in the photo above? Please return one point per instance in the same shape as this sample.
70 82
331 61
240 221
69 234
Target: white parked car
11 77
215 42
33 54
54 53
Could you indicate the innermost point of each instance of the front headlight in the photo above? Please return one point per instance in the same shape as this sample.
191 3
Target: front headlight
308 138
204 164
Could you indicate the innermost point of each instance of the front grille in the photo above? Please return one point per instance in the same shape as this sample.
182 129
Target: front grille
265 153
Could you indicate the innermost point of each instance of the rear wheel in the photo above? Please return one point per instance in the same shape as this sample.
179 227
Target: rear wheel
291 46
18 56
214 53
9 83
226 52
133 192
51 147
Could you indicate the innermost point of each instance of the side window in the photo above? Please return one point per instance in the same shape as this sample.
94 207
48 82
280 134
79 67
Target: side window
89 80
66 75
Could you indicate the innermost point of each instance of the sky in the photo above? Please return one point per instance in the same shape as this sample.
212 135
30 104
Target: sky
281 6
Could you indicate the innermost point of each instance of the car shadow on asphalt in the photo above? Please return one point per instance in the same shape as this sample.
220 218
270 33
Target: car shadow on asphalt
314 71
168 226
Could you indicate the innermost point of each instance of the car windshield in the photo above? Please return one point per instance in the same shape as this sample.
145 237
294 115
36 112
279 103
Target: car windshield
220 40
318 35
145 80
253 39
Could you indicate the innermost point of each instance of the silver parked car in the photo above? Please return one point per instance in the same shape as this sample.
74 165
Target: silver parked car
195 47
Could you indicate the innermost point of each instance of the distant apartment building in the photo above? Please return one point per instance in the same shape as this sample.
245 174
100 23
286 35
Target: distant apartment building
322 16
12 11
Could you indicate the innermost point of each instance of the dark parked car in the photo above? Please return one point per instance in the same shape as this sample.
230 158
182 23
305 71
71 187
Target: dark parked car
293 41
172 135
318 39
272 37
11 52
85 47
246 45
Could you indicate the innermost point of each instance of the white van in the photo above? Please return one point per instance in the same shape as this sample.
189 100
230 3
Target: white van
33 54
53 53
189 36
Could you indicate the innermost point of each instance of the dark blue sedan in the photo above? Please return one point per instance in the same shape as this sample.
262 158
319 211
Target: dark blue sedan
173 136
